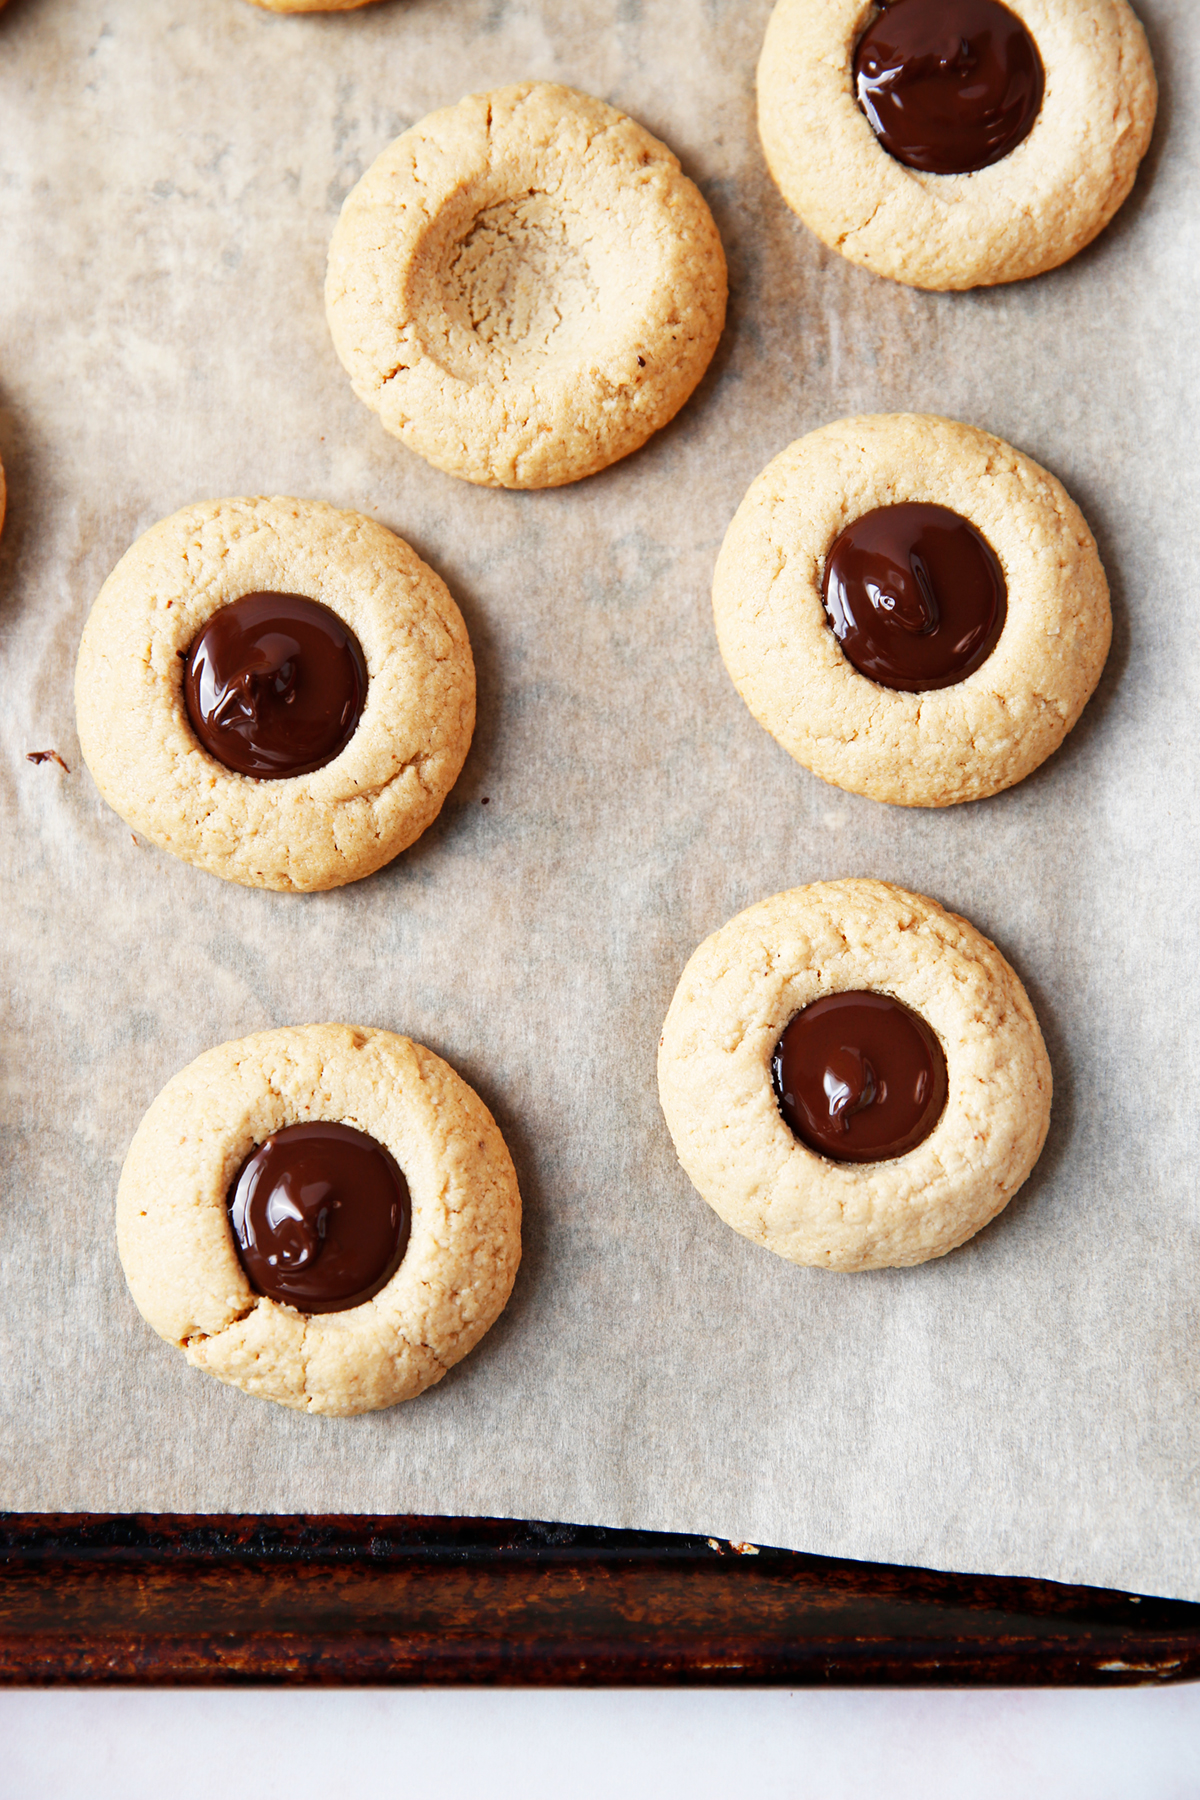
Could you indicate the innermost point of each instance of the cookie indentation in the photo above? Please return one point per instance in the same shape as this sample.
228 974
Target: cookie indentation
859 1077
915 596
320 1214
949 85
519 286
275 685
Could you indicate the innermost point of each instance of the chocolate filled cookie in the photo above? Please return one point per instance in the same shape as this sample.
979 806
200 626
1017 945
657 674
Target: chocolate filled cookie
323 1215
525 287
912 608
853 1077
279 692
955 143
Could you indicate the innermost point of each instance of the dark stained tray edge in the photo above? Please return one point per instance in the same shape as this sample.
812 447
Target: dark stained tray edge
360 1600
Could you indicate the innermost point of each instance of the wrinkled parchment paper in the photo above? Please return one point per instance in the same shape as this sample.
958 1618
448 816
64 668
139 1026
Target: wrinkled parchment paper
170 171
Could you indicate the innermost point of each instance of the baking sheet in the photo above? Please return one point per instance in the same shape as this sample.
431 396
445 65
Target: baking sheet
169 177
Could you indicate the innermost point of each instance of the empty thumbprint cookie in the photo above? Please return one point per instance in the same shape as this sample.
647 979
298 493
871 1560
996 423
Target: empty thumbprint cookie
322 1215
853 1077
279 692
525 287
955 143
912 608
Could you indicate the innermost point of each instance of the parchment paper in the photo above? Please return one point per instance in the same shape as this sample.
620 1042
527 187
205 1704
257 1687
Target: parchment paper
170 171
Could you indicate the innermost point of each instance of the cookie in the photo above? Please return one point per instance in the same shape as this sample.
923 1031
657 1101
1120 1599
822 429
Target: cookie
187 1234
1060 93
276 691
792 1008
842 520
525 287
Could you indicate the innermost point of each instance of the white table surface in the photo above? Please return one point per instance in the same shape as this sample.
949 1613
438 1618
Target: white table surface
513 1745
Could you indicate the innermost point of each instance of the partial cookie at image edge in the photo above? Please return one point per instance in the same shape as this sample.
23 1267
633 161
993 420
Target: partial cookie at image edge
1020 217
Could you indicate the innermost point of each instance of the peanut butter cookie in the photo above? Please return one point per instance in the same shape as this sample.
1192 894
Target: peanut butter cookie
955 143
279 692
853 1077
323 1215
914 609
525 287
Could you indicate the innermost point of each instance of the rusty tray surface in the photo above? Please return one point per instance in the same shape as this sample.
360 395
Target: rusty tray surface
188 1599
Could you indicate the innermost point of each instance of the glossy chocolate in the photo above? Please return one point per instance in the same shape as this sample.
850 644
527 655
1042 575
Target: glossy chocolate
859 1077
320 1215
275 685
949 86
916 596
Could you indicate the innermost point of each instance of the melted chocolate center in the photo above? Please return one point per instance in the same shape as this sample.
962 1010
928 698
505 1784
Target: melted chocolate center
916 596
275 685
859 1077
948 85
320 1215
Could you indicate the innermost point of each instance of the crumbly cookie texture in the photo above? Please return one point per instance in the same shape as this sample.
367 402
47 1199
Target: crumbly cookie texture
525 286
304 832
735 998
945 745
177 1247
1027 213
